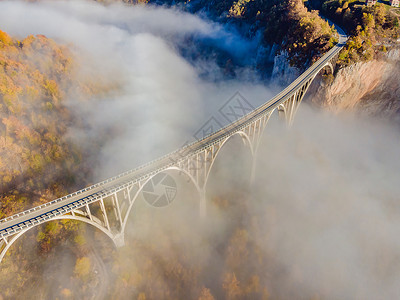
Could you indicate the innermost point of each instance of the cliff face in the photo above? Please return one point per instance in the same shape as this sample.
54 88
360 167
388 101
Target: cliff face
282 72
371 88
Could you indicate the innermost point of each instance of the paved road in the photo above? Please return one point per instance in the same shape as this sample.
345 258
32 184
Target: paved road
16 223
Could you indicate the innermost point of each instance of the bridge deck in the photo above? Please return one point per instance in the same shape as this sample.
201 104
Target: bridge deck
13 224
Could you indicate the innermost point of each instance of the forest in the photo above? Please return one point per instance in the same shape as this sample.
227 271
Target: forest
39 162
373 29
170 253
299 31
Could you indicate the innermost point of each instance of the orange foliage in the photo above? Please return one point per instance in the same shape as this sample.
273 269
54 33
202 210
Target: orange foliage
34 77
5 39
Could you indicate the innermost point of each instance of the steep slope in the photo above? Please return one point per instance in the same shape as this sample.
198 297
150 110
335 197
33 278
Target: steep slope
370 88
286 26
37 162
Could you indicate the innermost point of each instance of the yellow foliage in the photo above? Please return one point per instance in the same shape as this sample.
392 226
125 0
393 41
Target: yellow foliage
5 39
238 8
34 118
237 249
7 178
206 294
80 240
52 89
142 296
231 286
83 267
66 293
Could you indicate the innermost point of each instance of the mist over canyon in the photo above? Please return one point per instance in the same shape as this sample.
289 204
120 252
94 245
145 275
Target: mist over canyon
321 219
138 50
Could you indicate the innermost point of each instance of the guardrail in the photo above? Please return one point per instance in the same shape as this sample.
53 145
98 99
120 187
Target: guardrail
192 149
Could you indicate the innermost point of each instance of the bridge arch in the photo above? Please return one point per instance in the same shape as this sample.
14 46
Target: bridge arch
64 217
324 70
281 110
247 142
286 106
140 189
256 145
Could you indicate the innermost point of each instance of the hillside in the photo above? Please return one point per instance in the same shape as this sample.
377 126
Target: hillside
288 24
173 254
37 162
368 88
373 29
367 70
41 163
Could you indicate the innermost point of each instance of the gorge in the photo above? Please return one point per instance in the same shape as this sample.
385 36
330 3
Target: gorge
128 84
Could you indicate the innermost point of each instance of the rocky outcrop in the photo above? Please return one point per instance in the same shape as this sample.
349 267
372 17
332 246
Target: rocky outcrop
282 72
371 88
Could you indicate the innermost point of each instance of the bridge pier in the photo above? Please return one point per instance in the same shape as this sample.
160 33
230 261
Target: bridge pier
117 210
119 239
288 109
104 213
203 203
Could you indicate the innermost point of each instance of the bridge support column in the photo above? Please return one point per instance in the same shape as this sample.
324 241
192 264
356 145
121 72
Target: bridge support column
119 239
128 191
258 130
103 210
253 170
88 212
289 108
117 210
3 244
203 203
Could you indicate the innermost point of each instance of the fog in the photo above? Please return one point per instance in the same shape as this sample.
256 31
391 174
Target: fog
326 191
161 99
321 219
329 194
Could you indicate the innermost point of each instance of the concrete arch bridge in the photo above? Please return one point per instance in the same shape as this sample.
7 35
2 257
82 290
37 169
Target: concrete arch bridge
195 160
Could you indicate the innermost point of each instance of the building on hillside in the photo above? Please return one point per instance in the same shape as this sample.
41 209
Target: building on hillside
395 3
370 2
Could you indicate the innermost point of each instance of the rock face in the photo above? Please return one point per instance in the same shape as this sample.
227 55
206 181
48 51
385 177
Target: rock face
282 72
371 88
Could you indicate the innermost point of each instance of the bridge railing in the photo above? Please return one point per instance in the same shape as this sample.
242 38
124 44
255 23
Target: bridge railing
195 146
271 104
